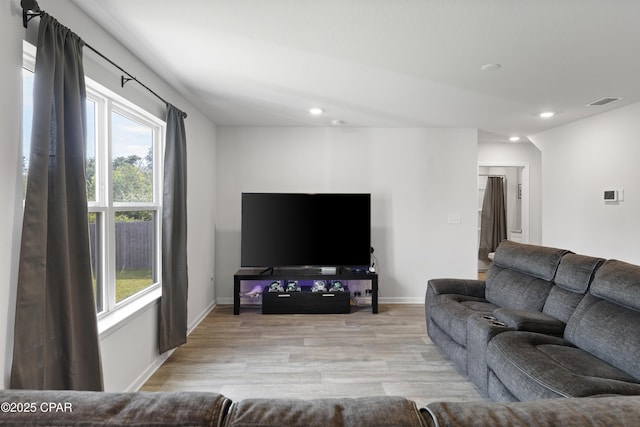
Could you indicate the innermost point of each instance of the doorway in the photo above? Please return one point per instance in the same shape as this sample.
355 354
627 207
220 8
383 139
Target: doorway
516 190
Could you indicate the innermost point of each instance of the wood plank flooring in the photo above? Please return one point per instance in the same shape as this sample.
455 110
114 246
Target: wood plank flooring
314 356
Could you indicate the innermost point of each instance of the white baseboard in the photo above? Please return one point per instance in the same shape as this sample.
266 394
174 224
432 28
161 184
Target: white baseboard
201 317
400 300
147 373
161 358
225 300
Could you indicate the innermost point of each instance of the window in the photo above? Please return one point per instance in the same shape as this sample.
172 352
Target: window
124 191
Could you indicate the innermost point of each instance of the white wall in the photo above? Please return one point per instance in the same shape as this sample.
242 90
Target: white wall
417 178
129 352
581 160
520 154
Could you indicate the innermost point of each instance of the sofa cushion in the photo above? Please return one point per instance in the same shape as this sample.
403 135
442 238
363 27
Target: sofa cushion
572 281
514 289
451 311
356 412
618 282
114 409
576 272
536 366
561 303
585 412
609 331
533 260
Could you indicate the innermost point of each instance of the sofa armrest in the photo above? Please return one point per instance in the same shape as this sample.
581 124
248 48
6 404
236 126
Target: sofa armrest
584 411
531 321
481 329
469 287
48 408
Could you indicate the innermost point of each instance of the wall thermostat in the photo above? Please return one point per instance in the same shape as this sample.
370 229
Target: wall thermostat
610 196
613 195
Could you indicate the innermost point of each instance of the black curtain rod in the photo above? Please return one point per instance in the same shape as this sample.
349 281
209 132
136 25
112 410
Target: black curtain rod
30 10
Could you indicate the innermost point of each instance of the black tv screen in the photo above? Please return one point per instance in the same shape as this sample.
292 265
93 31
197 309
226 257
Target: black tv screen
300 230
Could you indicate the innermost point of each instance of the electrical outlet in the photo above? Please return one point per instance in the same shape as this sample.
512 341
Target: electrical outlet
454 219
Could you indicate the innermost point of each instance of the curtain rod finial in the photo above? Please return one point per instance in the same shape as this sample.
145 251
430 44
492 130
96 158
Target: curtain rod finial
30 5
30 10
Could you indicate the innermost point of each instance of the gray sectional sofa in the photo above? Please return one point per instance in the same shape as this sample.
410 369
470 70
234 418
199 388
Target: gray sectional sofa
545 323
77 408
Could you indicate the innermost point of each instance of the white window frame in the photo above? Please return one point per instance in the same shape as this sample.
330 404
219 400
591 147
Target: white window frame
115 314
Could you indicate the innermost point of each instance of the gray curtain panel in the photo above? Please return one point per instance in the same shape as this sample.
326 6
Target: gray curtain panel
56 335
493 223
172 326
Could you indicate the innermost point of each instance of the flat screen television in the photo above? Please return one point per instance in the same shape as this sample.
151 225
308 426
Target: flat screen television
283 230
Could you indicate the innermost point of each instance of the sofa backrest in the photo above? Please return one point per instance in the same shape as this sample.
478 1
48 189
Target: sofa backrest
606 323
573 277
521 275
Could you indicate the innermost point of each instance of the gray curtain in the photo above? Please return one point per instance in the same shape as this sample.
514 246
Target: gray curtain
56 335
493 224
173 304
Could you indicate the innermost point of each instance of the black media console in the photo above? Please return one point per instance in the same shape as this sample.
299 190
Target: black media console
255 283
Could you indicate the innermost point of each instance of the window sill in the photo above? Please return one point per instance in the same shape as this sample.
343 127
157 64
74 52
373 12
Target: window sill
111 322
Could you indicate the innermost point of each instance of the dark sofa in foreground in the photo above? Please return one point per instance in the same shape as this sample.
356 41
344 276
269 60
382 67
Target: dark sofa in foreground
63 408
546 323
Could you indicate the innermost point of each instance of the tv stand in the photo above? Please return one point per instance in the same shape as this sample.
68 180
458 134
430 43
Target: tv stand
304 301
268 270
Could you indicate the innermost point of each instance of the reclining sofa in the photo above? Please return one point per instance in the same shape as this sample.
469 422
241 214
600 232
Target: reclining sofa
86 408
545 323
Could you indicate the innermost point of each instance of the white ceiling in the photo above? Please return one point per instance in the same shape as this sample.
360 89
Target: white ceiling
389 63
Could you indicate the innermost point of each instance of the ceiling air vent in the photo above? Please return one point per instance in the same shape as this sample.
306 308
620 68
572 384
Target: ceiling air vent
602 101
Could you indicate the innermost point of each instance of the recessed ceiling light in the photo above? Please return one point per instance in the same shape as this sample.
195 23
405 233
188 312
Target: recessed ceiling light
315 111
547 114
490 67
337 122
514 139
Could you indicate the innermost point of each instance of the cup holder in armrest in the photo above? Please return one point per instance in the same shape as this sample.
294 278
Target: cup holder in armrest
493 320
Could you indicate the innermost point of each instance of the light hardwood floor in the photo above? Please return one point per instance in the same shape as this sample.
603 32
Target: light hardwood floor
314 356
